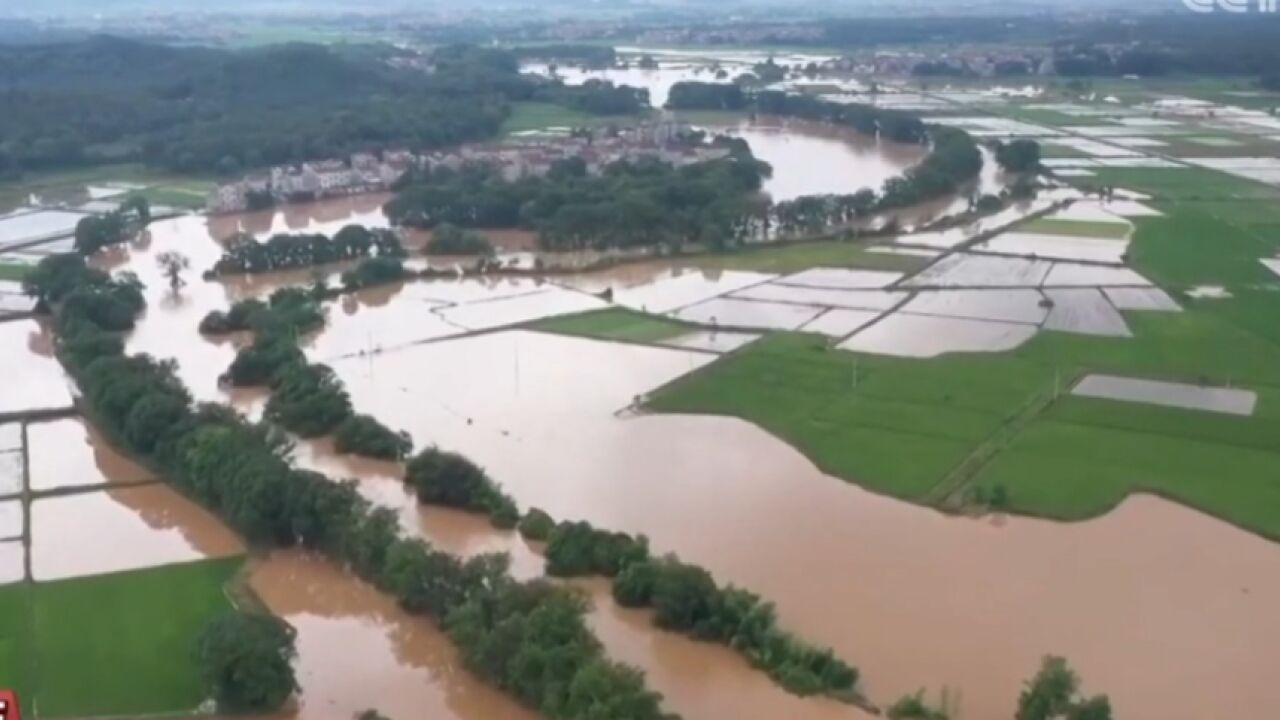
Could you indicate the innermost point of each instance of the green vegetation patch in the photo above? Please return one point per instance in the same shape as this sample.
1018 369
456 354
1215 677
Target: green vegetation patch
1078 228
541 115
1178 183
1084 456
1213 242
615 324
116 644
924 430
13 271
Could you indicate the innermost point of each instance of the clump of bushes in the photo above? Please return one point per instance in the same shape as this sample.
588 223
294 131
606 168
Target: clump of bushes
363 435
246 662
449 479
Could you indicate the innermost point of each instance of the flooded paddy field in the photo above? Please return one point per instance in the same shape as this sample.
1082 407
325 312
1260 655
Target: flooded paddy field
70 453
1192 397
358 650
550 435
12 472
26 346
106 531
12 557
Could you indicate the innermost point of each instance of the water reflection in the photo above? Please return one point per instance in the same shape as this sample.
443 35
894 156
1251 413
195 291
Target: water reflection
358 650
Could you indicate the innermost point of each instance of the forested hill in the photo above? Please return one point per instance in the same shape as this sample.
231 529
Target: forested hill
201 109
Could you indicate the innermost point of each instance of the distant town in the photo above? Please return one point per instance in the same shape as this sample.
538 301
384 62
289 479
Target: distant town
531 155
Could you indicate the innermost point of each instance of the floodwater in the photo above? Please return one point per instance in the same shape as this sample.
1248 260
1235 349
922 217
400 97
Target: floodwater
358 650
26 347
11 472
70 452
1146 594
810 158
1231 401
122 529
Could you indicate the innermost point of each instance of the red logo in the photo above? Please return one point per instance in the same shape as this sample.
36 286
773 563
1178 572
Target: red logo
9 705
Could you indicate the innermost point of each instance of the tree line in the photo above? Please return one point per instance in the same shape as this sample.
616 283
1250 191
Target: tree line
631 203
895 125
283 251
685 598
95 232
204 110
528 638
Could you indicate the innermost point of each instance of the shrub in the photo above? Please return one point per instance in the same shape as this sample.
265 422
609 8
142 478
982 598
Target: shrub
246 662
363 435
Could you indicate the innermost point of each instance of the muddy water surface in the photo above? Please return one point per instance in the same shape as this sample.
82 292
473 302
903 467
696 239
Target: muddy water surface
358 650
1168 610
122 529
70 452
34 379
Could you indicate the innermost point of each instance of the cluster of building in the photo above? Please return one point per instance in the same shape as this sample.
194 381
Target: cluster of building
978 61
531 156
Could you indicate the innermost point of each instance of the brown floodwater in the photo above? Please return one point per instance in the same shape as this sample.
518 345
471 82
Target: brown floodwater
35 380
70 452
358 650
1168 610
122 529
812 158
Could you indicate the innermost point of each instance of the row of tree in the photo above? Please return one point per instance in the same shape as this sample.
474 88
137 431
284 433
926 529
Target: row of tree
245 254
895 125
95 232
529 638
1052 694
631 203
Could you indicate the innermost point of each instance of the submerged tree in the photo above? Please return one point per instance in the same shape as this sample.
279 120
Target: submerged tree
1054 694
246 661
172 264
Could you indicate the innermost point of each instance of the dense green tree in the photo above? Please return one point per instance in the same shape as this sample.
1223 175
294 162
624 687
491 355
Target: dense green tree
536 525
363 435
1054 694
246 661
1018 156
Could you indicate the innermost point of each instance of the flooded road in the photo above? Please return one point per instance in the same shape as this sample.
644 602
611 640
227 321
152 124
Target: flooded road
358 650
1150 592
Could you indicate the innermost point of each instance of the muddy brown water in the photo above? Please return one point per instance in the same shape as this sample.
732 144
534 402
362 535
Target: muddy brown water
122 529
1168 610
70 452
358 650
34 379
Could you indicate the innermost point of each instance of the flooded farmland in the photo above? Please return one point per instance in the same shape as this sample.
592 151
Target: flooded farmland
27 346
69 453
540 415
1152 591
357 650
122 529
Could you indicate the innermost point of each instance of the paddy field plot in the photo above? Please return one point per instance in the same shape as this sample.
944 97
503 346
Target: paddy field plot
11 472
688 288
1139 142
11 523
515 310
10 437
898 250
728 312
1093 148
1066 274
112 645
615 323
1233 401
1102 225
70 453
1086 311
830 297
925 336
128 528
27 348
1056 247
35 226
841 278
1272 264
1015 305
12 570
717 341
1152 298
967 270
840 322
